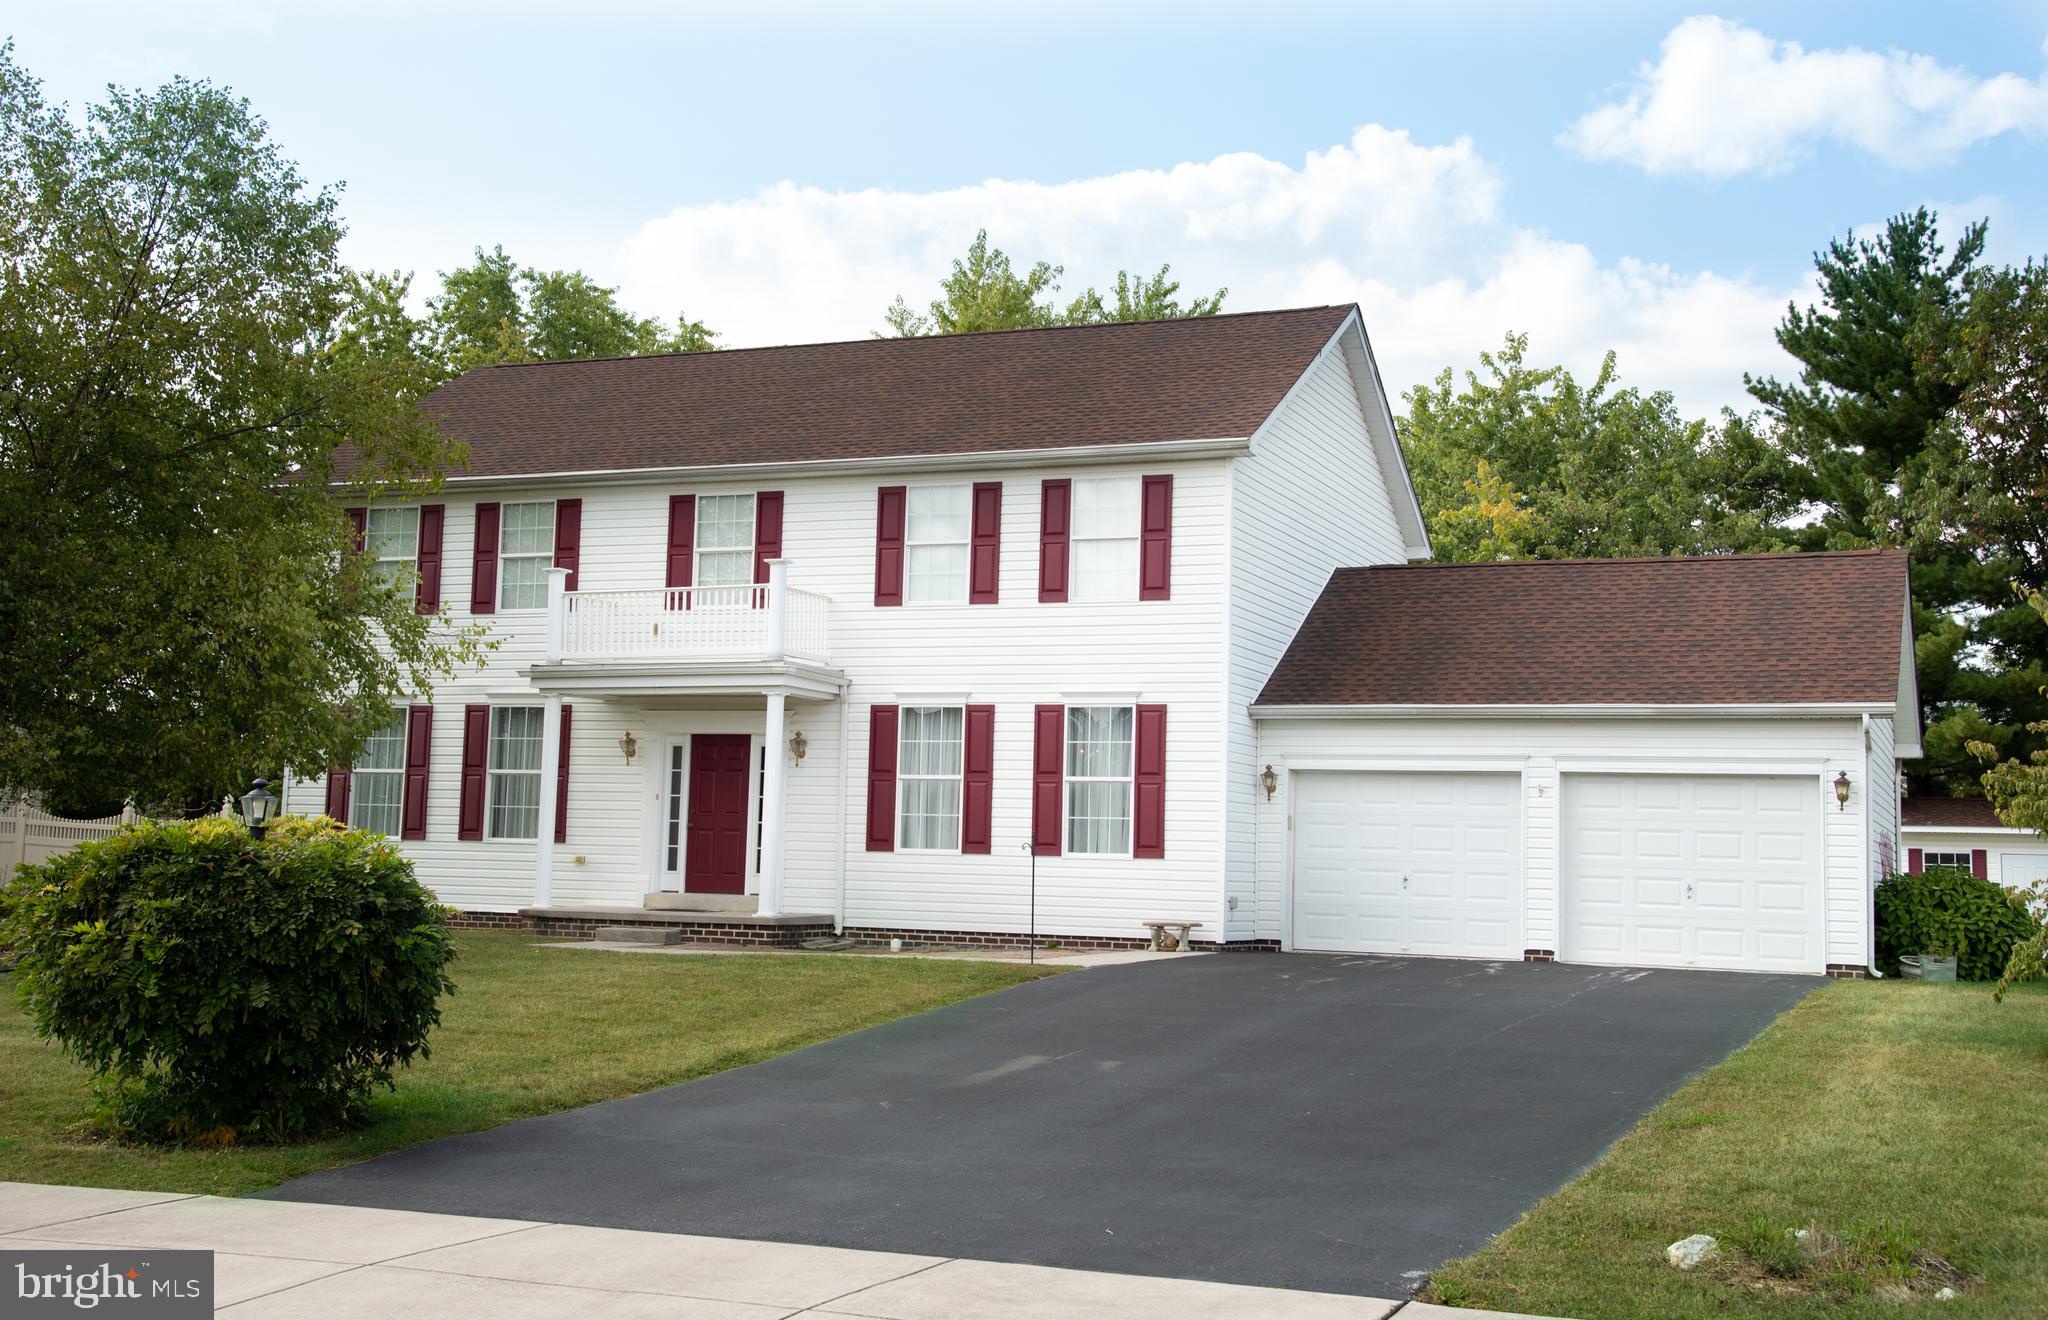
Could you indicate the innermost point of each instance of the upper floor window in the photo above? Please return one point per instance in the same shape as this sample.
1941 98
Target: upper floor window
1099 761
929 761
391 537
936 527
377 780
526 551
725 540
513 787
1105 538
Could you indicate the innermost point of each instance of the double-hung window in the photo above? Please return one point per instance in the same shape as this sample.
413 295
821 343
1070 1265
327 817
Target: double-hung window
526 551
929 760
936 526
1099 761
1959 860
725 543
392 538
377 780
513 804
1105 538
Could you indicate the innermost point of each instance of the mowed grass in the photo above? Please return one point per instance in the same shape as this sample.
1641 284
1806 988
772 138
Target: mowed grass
529 1031
1910 1115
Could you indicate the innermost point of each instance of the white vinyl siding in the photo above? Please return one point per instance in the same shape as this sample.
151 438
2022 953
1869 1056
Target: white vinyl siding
377 781
1099 758
526 551
936 527
1105 539
392 538
929 761
725 540
513 802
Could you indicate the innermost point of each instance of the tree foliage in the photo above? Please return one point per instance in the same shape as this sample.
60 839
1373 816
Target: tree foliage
181 355
1527 462
495 311
985 291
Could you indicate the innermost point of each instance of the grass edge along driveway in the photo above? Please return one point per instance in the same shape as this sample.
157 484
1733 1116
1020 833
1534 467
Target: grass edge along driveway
529 1031
1890 1112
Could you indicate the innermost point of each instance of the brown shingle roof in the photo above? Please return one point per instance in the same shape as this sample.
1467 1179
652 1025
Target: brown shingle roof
1765 629
1201 379
1967 813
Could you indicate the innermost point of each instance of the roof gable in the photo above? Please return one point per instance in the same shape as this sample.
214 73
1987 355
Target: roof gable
1016 391
1731 630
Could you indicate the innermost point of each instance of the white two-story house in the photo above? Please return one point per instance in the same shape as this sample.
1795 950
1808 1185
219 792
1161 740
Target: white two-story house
980 638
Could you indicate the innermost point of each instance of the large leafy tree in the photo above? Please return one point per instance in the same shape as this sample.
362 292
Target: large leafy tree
495 311
1527 462
177 591
985 291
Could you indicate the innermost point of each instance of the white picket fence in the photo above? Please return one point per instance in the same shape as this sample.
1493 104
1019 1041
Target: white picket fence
29 834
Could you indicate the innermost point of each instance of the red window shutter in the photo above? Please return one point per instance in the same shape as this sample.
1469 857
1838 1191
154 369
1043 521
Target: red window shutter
767 531
1048 777
977 781
337 794
985 553
483 579
476 750
427 596
361 518
1148 785
882 779
682 534
1980 863
569 538
562 781
1055 512
419 749
890 502
1912 861
1155 546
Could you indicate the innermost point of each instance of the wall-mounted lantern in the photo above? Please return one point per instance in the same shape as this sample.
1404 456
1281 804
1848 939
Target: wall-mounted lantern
1270 782
1842 791
798 746
629 745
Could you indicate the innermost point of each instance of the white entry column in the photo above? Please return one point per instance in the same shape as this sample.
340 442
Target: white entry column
550 775
776 740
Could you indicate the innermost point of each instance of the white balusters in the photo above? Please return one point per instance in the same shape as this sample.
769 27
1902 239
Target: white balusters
770 620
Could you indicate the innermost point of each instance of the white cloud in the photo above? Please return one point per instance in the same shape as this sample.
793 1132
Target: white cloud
1412 232
1725 99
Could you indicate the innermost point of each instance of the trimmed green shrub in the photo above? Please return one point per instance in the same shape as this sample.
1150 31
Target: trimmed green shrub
225 989
1981 920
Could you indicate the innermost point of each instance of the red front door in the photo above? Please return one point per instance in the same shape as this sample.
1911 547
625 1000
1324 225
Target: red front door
716 852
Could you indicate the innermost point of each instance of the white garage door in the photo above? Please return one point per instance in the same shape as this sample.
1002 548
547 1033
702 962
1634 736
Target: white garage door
1692 871
2022 870
1408 863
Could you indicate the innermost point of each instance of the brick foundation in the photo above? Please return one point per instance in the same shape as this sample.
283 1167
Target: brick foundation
983 939
1848 971
1539 955
764 935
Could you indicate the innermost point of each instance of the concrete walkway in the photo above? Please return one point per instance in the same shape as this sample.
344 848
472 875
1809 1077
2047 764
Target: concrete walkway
288 1259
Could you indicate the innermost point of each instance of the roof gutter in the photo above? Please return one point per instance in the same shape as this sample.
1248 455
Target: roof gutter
1178 450
1576 710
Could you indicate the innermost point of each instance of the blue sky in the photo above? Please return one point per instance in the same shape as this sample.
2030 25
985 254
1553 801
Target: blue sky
1646 177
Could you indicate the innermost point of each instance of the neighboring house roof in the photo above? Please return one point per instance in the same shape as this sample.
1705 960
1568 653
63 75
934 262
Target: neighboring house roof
1730 630
1949 813
1204 378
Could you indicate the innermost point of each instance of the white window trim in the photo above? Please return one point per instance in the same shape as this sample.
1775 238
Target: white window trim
1927 856
357 772
698 549
491 773
1067 782
966 543
1129 591
504 560
412 560
959 777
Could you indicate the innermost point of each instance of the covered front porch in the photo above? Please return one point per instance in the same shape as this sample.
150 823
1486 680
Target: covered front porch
722 761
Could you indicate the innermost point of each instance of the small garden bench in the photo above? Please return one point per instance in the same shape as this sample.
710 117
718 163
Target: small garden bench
1170 936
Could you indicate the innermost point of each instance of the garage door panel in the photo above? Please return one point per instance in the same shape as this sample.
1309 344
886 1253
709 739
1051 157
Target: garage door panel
1691 870
1454 839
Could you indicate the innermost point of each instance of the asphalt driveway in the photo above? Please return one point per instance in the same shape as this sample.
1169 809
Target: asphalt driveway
1312 1121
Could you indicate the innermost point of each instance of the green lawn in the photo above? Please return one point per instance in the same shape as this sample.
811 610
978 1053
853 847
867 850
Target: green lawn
528 1031
1896 1115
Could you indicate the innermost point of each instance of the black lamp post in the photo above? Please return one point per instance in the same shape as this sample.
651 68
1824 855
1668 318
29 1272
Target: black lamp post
259 808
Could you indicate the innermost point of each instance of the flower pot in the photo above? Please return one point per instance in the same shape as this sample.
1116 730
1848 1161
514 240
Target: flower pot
1937 969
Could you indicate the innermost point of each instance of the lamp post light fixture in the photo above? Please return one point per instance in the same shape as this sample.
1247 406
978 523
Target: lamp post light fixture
798 746
1270 782
1842 790
629 745
259 808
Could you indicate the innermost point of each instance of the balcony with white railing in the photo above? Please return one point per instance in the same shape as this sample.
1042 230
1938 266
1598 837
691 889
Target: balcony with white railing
769 622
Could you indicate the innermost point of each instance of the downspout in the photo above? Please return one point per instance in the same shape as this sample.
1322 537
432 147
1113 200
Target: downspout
845 768
1869 888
